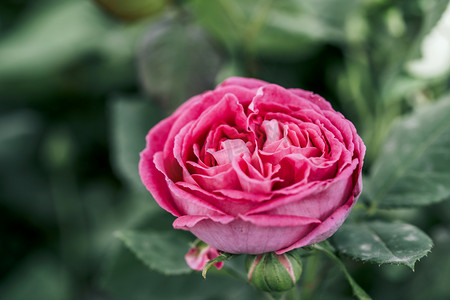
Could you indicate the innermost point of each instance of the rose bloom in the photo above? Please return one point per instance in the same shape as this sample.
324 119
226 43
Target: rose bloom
252 167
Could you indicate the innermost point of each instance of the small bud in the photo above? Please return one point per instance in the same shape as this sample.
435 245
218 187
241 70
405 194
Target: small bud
274 273
199 254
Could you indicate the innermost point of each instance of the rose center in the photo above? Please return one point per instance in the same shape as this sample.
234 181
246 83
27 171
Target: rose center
229 150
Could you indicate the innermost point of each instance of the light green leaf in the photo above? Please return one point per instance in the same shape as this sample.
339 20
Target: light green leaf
432 12
274 27
383 242
398 53
131 119
160 251
412 168
177 61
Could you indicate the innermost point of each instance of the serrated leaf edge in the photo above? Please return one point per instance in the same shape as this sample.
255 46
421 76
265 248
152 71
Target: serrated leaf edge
411 265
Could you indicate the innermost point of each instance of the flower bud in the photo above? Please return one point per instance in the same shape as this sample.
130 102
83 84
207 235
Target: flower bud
274 273
199 254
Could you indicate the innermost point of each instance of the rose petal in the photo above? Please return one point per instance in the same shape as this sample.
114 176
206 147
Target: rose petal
154 179
310 96
231 150
223 180
279 220
250 83
326 229
186 222
227 205
240 236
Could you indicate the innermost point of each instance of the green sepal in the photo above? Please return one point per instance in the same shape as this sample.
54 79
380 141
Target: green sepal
267 272
222 257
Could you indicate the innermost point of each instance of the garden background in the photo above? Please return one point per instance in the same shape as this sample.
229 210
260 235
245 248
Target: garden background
82 82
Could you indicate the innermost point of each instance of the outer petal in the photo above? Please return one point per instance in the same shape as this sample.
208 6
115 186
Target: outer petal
227 205
249 83
324 230
240 236
186 203
187 222
315 200
314 98
153 179
283 98
266 220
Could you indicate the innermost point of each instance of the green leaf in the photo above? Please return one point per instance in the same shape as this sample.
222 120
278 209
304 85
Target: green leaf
160 251
328 250
177 61
130 120
383 242
412 168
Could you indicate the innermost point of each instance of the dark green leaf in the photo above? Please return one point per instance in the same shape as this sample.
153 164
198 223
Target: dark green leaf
382 242
177 61
412 168
160 251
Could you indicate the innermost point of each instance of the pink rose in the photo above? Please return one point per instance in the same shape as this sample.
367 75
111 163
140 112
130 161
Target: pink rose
200 254
251 167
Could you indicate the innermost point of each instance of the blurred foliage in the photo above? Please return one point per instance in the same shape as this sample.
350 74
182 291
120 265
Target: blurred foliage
194 60
132 9
80 88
